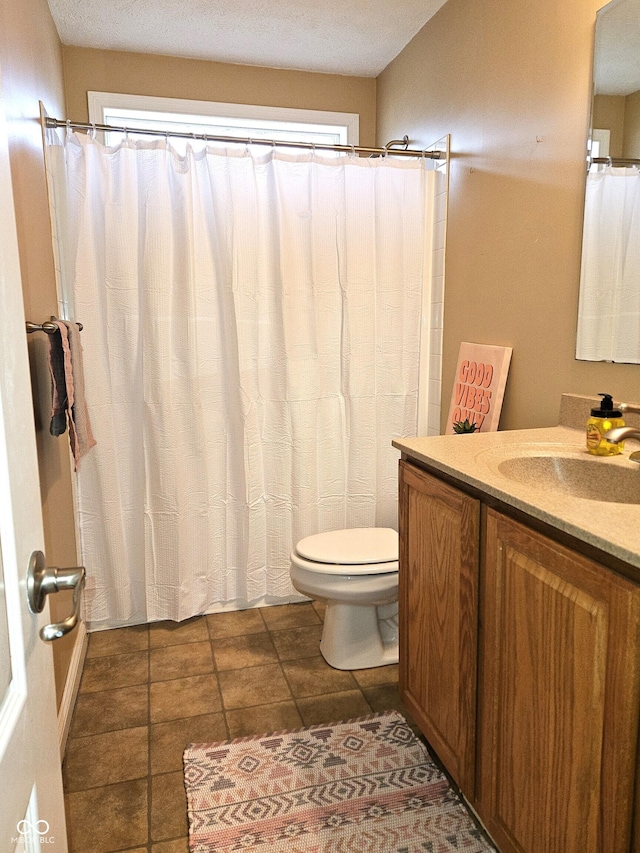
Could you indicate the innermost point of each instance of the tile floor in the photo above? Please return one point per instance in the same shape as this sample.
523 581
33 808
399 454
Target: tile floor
147 691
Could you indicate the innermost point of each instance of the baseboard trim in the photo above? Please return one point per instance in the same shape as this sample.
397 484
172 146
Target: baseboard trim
71 687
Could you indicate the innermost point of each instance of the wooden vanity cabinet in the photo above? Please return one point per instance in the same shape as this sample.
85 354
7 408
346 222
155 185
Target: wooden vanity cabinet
548 643
438 593
558 696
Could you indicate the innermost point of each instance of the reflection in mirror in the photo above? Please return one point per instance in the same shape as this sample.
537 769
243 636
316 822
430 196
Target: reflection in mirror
609 309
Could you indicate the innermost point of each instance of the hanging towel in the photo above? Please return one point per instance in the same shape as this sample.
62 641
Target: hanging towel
58 385
71 395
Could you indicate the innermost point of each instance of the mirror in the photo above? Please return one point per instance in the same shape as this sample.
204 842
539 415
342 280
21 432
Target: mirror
609 310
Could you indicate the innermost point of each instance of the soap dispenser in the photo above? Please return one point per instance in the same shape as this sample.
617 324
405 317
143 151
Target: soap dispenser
603 419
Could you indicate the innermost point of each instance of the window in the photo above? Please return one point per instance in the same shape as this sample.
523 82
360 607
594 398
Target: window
599 143
219 119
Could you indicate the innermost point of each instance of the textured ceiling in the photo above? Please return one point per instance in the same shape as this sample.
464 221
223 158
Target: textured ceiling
358 37
617 51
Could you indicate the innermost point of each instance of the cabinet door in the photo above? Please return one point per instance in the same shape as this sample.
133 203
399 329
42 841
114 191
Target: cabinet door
558 696
438 582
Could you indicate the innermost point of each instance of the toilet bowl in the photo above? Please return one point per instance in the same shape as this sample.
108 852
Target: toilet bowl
355 572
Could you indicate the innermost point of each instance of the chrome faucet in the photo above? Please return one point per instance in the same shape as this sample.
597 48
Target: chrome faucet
615 436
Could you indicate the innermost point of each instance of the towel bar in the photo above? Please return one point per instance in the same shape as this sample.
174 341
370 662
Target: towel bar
48 326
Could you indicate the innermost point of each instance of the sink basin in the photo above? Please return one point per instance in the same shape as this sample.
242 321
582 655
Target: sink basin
580 478
567 471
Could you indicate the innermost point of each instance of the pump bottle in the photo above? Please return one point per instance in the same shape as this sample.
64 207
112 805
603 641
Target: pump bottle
603 419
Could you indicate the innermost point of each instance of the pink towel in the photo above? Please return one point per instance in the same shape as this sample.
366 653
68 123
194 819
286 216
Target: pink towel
71 396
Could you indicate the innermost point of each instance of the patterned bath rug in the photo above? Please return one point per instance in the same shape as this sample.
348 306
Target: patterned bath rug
362 786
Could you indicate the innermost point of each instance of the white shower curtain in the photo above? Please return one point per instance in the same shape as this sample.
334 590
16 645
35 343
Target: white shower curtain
251 340
609 312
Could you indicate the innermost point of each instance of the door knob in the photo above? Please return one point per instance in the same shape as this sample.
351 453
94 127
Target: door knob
42 581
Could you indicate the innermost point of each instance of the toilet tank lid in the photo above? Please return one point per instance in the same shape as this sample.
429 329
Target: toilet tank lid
355 546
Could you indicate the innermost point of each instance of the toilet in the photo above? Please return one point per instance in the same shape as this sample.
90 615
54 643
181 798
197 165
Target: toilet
355 572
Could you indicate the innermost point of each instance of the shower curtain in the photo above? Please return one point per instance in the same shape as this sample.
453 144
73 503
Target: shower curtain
251 340
609 312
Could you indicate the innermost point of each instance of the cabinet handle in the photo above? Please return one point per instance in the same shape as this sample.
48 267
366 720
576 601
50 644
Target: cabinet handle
42 581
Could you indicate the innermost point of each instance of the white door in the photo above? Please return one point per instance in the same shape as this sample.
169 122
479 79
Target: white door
31 802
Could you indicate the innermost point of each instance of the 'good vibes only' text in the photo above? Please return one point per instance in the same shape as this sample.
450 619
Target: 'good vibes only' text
472 392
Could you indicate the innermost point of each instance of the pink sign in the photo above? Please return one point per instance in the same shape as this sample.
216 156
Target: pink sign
478 388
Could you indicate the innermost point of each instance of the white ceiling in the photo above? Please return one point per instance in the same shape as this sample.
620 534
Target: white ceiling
357 37
617 50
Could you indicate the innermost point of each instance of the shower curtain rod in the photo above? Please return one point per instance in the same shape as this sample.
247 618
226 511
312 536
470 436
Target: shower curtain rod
207 137
616 161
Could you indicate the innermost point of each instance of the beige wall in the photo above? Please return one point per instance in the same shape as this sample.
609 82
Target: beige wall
609 114
31 65
89 70
510 81
632 126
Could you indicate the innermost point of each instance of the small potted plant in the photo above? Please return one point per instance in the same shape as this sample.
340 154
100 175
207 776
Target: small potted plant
465 426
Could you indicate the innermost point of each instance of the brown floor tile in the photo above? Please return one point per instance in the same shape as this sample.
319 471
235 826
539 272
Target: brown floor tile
105 759
263 719
376 675
298 642
257 685
290 616
175 684
178 845
110 818
385 697
109 673
320 608
235 623
168 740
333 708
314 677
174 633
184 697
109 710
168 807
240 652
118 641
179 661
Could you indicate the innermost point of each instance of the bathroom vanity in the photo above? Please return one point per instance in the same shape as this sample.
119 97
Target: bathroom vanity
520 631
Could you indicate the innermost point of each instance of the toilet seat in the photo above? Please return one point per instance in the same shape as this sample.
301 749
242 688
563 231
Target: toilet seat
344 569
358 550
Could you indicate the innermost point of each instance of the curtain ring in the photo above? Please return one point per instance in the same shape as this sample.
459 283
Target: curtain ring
69 131
353 151
94 131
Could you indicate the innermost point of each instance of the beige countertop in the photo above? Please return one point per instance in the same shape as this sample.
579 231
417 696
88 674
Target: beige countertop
610 526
